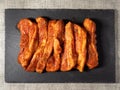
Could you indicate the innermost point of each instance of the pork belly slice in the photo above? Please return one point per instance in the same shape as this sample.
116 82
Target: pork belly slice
54 61
42 28
80 43
69 56
28 41
48 47
92 60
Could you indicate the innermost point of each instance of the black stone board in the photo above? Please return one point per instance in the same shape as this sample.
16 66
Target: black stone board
104 20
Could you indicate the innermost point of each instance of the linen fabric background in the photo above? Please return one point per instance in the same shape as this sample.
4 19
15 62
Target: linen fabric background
59 4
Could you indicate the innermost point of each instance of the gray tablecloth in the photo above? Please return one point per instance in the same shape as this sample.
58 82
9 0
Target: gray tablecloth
73 4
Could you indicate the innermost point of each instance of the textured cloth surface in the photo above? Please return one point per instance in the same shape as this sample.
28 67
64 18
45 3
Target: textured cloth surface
57 4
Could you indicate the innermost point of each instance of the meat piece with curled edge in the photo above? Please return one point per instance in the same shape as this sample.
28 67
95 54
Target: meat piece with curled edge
92 60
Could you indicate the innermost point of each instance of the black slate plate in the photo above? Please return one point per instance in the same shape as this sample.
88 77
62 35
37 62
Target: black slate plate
104 19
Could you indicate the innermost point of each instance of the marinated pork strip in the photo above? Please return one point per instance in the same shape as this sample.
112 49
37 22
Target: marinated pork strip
80 43
42 26
48 47
53 63
90 26
28 41
69 56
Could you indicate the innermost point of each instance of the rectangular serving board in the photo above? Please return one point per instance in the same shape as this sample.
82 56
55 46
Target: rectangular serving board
105 31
